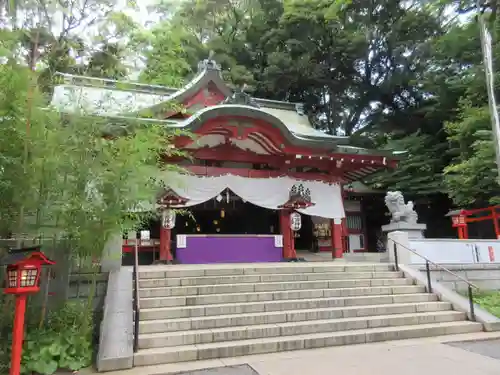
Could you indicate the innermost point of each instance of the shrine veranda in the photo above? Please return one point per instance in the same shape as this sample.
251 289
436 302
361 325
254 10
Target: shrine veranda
261 180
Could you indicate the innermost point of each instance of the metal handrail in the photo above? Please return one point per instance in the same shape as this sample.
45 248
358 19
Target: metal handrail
135 299
428 262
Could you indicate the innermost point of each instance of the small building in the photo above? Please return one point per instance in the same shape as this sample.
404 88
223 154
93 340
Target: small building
254 164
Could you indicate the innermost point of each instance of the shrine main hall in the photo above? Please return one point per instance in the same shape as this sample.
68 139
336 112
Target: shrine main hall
259 181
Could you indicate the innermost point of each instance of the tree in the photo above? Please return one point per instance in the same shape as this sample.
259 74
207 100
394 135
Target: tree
472 177
164 55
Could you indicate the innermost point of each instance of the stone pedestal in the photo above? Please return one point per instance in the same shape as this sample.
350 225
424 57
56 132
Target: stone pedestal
414 231
402 233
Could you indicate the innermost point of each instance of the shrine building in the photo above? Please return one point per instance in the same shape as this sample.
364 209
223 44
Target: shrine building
260 181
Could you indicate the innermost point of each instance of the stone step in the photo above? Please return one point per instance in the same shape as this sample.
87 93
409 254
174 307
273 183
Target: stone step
209 299
155 356
157 340
268 306
274 317
183 271
267 287
266 278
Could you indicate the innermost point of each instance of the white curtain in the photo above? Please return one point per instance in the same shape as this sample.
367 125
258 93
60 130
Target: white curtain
264 192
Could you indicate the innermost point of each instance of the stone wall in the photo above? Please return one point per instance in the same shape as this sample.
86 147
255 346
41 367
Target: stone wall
80 286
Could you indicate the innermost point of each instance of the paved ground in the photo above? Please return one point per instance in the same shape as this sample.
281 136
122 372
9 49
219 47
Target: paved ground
429 356
229 370
490 348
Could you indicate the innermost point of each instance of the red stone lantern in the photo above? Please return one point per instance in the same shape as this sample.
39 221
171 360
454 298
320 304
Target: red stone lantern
23 277
459 221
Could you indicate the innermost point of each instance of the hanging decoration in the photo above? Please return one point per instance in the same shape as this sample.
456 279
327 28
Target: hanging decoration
315 198
222 213
295 221
227 196
168 219
299 197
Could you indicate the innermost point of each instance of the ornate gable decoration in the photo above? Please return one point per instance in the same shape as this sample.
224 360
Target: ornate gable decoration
242 98
171 198
300 197
209 63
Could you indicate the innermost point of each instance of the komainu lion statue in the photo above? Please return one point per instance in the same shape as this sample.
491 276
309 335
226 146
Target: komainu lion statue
400 212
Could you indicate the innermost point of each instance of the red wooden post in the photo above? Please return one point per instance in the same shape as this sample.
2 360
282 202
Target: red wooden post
495 222
18 335
466 232
292 253
165 239
337 245
286 231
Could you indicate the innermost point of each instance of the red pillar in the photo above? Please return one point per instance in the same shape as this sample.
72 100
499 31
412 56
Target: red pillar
495 222
286 232
337 243
165 236
18 335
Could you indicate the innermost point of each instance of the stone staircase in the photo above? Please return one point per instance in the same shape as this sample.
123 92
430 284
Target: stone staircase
214 311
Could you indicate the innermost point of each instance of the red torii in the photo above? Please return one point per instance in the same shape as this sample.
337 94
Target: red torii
460 219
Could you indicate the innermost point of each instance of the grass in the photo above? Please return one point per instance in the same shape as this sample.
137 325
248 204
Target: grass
489 301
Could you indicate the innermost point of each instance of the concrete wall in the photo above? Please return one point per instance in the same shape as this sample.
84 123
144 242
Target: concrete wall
116 331
456 251
486 276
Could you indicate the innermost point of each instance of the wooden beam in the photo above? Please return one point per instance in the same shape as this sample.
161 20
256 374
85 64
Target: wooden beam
253 173
229 152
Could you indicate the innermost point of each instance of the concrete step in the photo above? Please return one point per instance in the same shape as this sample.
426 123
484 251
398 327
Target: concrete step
275 317
182 271
166 339
267 287
367 257
268 306
266 278
209 299
183 353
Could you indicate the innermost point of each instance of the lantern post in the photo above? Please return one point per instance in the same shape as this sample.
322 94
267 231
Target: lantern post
299 198
167 224
168 200
23 278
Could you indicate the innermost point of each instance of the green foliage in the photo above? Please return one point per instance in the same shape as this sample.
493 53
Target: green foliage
81 175
490 301
472 177
65 342
46 350
419 171
165 55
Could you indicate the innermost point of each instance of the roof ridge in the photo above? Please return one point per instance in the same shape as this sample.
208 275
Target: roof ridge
80 80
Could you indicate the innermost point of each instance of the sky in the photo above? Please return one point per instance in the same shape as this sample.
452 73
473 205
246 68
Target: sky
142 15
